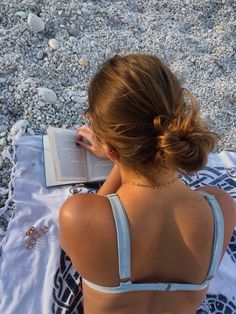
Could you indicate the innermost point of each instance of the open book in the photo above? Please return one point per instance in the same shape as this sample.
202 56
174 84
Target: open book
67 163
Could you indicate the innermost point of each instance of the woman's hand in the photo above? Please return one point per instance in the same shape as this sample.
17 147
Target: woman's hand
87 139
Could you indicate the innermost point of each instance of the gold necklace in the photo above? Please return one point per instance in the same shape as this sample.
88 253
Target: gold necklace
159 186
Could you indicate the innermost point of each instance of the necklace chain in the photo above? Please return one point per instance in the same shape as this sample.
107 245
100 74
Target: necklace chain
159 186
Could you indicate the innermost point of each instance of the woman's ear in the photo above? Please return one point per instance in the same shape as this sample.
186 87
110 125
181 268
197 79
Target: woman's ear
111 152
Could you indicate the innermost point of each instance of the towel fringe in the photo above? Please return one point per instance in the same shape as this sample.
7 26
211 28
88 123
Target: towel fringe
9 205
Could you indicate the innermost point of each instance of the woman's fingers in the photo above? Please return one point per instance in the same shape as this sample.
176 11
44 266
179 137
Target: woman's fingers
79 138
87 139
84 136
84 145
85 133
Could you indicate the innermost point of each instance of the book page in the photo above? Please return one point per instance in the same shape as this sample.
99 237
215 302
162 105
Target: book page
50 177
69 158
97 168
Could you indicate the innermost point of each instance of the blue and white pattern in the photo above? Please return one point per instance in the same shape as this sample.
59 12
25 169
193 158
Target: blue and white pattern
231 250
67 291
217 303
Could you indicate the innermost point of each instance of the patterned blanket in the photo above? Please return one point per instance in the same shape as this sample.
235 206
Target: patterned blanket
36 276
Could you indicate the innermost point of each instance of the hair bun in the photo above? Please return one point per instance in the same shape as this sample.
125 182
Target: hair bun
182 143
185 152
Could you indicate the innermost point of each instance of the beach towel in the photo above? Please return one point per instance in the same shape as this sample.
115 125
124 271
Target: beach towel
36 276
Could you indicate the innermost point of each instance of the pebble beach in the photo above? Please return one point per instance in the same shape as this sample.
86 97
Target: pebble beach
50 49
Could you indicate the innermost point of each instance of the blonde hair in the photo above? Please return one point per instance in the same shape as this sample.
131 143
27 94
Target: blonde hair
138 106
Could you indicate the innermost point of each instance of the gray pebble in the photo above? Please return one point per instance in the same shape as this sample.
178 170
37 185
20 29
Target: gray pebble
72 93
3 80
40 54
40 104
74 80
73 39
6 153
30 131
18 126
77 99
3 191
21 14
4 181
85 11
48 95
2 134
2 127
3 142
35 22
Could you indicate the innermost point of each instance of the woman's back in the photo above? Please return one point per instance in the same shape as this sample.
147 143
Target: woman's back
172 236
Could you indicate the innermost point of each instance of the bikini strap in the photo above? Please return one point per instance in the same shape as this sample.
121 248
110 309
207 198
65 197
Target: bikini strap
123 237
218 233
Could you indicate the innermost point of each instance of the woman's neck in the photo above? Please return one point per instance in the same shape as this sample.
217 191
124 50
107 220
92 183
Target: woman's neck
152 177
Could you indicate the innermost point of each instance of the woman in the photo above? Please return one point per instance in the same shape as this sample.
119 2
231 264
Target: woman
145 243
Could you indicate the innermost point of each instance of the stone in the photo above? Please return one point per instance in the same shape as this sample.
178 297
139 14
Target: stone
29 82
3 80
3 142
83 61
22 14
35 23
30 131
6 153
41 104
77 99
74 80
19 126
53 43
48 95
43 126
73 39
72 93
40 55
85 11
2 128
2 134
3 191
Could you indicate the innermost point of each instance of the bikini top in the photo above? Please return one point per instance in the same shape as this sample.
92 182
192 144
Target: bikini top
123 239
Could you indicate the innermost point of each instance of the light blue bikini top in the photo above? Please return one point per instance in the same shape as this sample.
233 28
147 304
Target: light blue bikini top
123 239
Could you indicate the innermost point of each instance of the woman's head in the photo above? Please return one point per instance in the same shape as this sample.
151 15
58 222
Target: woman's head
138 107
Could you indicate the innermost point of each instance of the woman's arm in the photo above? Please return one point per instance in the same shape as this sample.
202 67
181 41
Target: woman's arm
112 183
87 139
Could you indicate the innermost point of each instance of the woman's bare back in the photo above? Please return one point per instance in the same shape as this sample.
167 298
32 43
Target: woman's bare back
171 241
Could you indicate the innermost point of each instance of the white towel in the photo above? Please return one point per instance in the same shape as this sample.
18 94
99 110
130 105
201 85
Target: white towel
42 280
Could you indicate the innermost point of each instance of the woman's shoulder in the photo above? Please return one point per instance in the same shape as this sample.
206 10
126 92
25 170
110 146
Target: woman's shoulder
81 202
82 210
87 229
228 208
225 200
